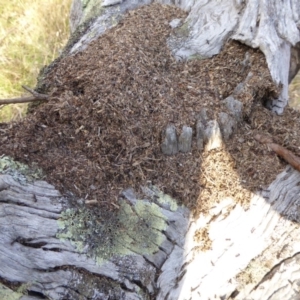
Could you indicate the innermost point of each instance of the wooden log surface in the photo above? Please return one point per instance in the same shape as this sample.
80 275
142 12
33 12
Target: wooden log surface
250 250
253 254
32 254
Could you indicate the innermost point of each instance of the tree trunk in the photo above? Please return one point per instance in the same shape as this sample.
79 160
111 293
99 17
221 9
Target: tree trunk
55 247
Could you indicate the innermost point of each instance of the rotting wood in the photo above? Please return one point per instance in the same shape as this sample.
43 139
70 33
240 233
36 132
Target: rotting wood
35 97
271 26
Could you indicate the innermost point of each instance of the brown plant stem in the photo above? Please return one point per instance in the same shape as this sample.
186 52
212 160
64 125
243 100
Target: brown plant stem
35 97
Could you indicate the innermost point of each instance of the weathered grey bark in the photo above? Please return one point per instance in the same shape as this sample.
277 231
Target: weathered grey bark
261 243
33 253
254 253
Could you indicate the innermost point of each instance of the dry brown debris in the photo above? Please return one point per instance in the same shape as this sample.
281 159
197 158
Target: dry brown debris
220 179
116 97
201 237
287 155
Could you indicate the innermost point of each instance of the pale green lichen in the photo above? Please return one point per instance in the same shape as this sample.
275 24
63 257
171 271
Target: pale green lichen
196 56
159 197
166 199
91 9
8 294
23 288
102 234
183 30
20 172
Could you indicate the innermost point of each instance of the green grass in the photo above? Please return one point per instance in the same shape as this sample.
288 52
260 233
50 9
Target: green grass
294 92
32 33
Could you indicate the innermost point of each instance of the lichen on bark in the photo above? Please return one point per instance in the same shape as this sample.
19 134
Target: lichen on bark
104 234
8 294
19 171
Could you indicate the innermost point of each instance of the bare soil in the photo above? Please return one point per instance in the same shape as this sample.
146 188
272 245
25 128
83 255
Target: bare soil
101 131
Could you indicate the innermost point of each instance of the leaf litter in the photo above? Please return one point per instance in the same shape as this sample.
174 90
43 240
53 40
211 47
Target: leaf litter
101 131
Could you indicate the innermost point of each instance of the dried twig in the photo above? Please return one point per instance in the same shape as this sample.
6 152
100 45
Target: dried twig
287 155
35 97
89 202
35 94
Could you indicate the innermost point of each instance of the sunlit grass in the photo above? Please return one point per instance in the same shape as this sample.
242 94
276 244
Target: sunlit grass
32 33
294 92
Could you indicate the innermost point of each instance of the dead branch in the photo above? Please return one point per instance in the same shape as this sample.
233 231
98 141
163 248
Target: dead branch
287 155
35 94
35 97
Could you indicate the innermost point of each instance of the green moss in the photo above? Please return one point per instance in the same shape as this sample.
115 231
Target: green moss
103 234
8 294
20 172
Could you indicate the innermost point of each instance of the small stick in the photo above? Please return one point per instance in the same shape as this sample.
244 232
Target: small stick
35 97
35 94
287 155
89 202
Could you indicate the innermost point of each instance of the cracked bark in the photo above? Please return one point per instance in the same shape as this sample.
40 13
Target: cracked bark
261 243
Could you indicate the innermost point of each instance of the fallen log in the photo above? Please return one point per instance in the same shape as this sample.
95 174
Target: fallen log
62 246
